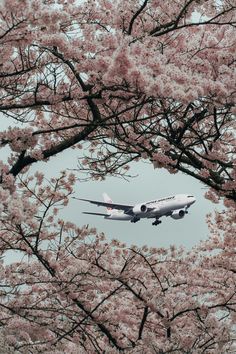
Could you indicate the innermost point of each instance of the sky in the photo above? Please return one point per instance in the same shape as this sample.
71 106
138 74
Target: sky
149 184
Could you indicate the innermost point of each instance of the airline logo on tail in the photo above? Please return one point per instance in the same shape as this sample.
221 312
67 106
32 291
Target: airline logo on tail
107 199
109 208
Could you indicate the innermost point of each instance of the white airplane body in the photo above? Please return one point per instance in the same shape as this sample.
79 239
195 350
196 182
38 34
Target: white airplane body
175 206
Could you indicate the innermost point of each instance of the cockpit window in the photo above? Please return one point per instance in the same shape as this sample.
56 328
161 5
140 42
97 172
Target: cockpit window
190 196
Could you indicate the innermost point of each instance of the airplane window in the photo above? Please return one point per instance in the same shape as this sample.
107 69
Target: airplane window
190 196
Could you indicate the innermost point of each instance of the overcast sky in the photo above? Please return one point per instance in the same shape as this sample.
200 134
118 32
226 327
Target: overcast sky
149 184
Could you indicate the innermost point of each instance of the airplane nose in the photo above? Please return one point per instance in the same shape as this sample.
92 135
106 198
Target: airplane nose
193 200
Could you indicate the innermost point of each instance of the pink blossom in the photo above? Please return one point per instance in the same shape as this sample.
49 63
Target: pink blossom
37 154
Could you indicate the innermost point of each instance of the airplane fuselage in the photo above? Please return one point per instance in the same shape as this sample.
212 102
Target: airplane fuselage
162 206
175 206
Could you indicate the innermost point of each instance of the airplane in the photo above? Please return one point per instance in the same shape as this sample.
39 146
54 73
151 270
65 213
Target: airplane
175 206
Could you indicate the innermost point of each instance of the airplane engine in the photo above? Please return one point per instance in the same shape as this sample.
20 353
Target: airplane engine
178 214
139 209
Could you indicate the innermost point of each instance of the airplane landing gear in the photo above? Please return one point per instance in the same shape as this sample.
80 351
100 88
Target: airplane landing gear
135 219
156 222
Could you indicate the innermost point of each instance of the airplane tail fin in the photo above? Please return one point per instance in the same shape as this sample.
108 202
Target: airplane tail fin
107 199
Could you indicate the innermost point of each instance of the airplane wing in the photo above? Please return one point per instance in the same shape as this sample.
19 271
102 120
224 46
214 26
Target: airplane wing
100 214
109 205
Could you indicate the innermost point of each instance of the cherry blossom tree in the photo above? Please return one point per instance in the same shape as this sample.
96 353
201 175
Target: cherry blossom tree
123 81
74 292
